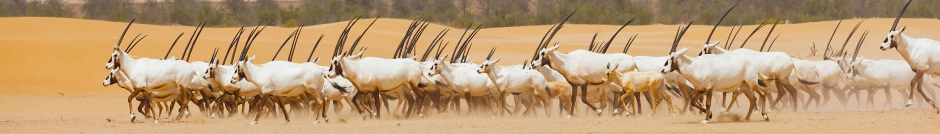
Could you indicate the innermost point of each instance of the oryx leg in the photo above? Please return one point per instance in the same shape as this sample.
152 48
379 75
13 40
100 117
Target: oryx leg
185 99
585 101
734 98
260 102
812 96
887 90
750 97
708 105
277 99
378 106
130 106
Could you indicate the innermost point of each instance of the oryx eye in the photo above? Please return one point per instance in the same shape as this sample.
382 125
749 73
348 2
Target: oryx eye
886 40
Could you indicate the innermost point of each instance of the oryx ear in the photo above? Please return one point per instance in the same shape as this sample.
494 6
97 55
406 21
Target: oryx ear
901 29
442 57
716 43
608 65
316 60
250 59
116 47
494 61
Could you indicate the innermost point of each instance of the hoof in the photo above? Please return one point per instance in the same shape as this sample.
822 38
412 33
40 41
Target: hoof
363 118
316 122
213 116
766 118
132 118
568 117
909 102
599 111
326 120
254 122
616 111
705 122
156 121
421 116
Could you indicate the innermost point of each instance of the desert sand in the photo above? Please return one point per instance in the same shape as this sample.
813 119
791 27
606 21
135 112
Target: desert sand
52 71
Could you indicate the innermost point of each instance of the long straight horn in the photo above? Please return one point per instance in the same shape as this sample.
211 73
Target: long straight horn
339 40
591 46
363 34
859 46
241 56
719 22
233 43
282 44
135 44
252 42
214 54
895 25
408 32
434 43
190 42
560 25
171 46
467 52
731 42
752 33
294 46
768 35
341 43
772 43
440 49
850 37
125 31
615 34
729 35
679 38
831 36
491 54
629 43
314 48
414 40
542 42
127 49
193 46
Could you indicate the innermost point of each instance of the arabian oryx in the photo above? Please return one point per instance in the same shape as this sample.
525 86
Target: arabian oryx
717 73
513 80
156 75
920 53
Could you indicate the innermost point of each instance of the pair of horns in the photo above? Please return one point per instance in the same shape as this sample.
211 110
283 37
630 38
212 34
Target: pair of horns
675 42
133 44
121 39
755 31
191 44
293 44
768 36
842 50
859 46
895 25
826 53
437 40
415 28
341 42
251 39
491 54
543 43
607 45
233 43
463 45
630 43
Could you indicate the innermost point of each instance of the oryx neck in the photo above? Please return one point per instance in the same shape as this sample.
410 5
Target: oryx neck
905 46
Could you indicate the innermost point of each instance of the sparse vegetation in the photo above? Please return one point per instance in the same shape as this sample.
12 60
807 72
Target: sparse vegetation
459 13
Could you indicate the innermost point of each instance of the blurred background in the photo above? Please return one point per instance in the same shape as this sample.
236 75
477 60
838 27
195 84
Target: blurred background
457 13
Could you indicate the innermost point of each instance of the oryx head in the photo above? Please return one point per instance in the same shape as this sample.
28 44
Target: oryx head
611 73
542 60
240 68
488 65
851 69
115 56
213 64
709 48
335 69
436 65
110 80
112 63
672 63
892 40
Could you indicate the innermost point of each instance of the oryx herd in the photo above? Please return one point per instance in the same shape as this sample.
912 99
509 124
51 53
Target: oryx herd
220 85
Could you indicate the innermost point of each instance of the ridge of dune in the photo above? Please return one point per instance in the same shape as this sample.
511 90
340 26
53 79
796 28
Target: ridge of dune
44 55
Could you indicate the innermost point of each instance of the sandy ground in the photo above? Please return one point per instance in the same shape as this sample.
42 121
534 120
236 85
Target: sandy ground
52 70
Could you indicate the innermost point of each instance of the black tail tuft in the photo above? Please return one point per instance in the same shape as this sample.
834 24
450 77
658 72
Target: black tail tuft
391 97
807 82
340 88
761 83
549 91
515 93
422 85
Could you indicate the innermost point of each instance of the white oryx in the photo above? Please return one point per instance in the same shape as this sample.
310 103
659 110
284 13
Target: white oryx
156 76
921 54
513 80
278 79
